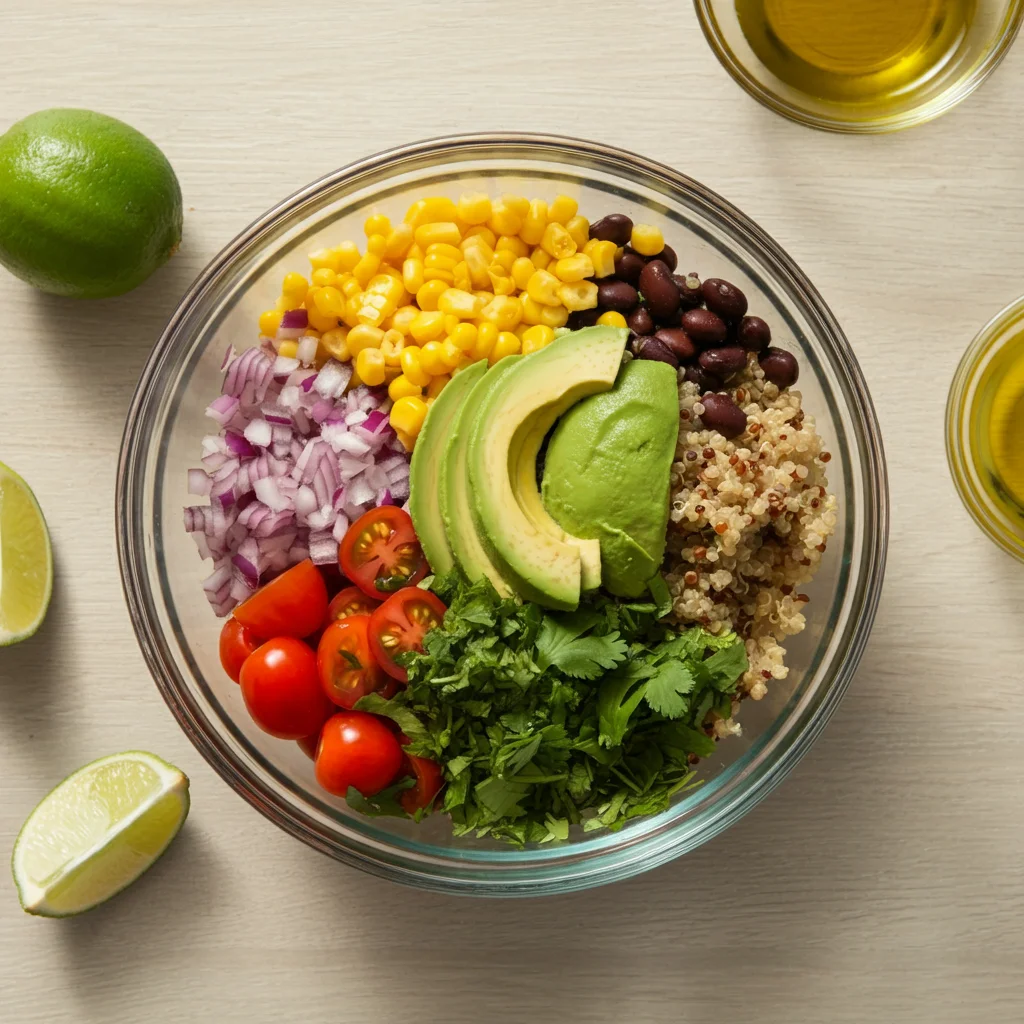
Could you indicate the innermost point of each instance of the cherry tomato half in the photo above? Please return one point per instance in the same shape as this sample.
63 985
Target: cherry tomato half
400 624
350 601
281 689
380 552
357 749
237 642
429 781
295 604
345 662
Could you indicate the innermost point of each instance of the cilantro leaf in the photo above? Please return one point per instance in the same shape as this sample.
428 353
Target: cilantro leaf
666 689
560 643
724 668
384 804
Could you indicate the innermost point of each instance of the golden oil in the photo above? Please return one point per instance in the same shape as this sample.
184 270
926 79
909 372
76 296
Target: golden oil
856 51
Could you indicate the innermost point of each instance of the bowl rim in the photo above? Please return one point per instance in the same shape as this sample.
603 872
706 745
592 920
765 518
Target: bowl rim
954 93
603 860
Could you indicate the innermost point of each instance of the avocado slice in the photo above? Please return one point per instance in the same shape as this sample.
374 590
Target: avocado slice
425 469
468 552
534 392
606 474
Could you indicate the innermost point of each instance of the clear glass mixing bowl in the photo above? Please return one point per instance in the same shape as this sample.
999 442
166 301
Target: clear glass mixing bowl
162 571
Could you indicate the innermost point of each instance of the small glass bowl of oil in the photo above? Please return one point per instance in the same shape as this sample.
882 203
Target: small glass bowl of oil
860 65
985 429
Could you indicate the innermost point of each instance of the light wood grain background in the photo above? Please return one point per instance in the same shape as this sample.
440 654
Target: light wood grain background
883 882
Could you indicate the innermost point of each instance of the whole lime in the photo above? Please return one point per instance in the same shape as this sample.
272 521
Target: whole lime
89 207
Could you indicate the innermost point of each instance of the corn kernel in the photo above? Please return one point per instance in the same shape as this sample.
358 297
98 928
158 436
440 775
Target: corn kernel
403 317
462 280
508 344
387 270
602 255
377 245
486 336
391 373
573 268
518 204
543 287
352 308
501 280
430 210
647 239
504 220
503 310
412 366
325 258
612 318
397 242
414 252
348 286
451 354
427 297
521 330
364 336
557 242
478 259
536 313
402 387
407 440
485 234
579 295
439 275
438 231
579 228
427 326
540 259
392 345
535 338
329 301
451 253
484 295
412 275
522 271
436 385
288 348
509 243
408 414
270 321
463 337
459 303
347 255
335 343
370 366
366 268
320 321
376 224
294 288
504 259
323 277
439 260
562 209
430 359
534 222
282 305
475 207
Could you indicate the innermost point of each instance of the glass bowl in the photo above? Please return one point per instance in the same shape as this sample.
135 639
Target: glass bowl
999 344
984 44
162 571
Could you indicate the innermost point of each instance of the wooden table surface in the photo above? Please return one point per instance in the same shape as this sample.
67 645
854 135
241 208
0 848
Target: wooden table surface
883 882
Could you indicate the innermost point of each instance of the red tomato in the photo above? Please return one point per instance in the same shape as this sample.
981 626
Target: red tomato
380 552
282 691
237 642
345 663
350 601
429 780
308 744
295 604
400 624
357 749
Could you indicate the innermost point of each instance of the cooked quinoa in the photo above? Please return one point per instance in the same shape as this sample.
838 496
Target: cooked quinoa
749 523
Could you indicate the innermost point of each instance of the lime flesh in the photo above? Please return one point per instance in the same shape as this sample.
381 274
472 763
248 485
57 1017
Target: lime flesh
97 832
26 562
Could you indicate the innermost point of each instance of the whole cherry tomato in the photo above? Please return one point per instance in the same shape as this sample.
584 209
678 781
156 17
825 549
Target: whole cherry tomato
380 552
357 750
400 624
237 642
281 689
295 604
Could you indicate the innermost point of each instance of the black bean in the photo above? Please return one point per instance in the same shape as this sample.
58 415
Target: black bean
618 295
753 334
669 258
704 380
616 227
628 267
721 413
723 362
724 298
706 328
659 290
641 321
652 348
780 367
582 318
677 341
690 294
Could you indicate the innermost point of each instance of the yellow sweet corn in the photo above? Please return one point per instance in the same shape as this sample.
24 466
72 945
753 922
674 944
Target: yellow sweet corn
486 336
329 301
323 277
534 338
392 345
398 241
335 344
573 268
562 209
270 321
377 244
412 366
432 274
504 220
364 336
557 242
451 354
427 297
366 268
579 228
444 255
370 366
319 320
518 204
294 288
408 414
352 307
484 233
483 295
282 305
438 231
346 255
647 239
328 258
462 280
509 243
403 317
402 387
522 271
579 295
474 207
376 224
536 313
427 326
612 318
506 345
478 259
505 311
543 287
288 348
430 210
436 385
451 321
534 223
465 305
348 286
464 337
602 255
504 260
540 259
501 280
412 275
430 359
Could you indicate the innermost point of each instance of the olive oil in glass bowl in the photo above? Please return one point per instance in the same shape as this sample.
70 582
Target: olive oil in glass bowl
860 65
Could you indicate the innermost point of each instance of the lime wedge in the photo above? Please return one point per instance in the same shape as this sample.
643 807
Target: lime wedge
97 832
26 563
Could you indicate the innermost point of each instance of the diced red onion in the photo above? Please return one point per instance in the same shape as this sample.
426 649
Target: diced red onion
333 378
239 445
229 354
259 433
375 421
307 350
284 365
216 580
199 483
384 497
308 382
222 409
